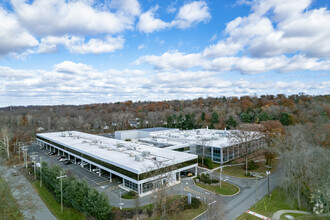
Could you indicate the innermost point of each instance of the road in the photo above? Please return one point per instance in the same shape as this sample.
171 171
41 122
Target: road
251 191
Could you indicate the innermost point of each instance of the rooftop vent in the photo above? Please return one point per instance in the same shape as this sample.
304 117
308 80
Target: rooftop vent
138 158
145 153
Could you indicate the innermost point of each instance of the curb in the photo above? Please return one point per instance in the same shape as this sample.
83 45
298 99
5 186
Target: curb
239 190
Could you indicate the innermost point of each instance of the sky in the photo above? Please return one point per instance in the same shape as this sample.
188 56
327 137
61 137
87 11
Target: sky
89 51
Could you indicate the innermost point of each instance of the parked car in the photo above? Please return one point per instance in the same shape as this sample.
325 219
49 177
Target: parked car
60 157
67 162
63 159
95 170
53 153
79 162
50 152
84 163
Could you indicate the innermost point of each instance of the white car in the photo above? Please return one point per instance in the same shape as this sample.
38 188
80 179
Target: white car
63 159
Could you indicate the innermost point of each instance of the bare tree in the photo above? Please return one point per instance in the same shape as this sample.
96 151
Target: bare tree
162 172
201 144
5 140
248 136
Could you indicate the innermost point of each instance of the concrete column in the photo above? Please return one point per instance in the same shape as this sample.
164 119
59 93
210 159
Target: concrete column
212 153
100 171
221 156
227 153
139 192
110 178
90 167
75 160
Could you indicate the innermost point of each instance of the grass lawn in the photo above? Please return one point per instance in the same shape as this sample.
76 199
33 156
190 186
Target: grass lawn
268 206
8 206
185 215
54 206
190 213
128 196
238 171
226 188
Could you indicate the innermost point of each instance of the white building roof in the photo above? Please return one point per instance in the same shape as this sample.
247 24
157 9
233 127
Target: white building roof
117 152
206 137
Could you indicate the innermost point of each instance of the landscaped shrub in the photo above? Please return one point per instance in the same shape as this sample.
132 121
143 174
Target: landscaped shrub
208 163
195 203
205 178
132 193
251 165
77 194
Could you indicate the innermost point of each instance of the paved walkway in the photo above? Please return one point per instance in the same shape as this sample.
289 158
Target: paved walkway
31 206
277 215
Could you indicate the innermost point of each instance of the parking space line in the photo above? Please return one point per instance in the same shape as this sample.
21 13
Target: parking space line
187 189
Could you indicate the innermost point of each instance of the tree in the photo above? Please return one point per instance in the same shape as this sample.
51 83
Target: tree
203 116
246 136
214 118
245 117
304 163
231 123
5 140
286 119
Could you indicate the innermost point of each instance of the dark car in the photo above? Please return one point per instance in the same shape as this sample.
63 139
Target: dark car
53 153
67 162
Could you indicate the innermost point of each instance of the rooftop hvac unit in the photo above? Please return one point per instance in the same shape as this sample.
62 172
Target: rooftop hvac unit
138 158
186 134
78 137
132 155
70 133
145 153
62 134
109 149
84 141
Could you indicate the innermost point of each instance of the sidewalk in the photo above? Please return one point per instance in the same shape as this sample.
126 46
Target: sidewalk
31 206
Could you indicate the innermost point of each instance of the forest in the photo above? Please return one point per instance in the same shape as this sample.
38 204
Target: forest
297 129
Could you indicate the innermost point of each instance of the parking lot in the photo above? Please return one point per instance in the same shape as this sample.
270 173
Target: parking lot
81 173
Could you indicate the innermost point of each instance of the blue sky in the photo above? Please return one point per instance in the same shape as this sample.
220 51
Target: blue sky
79 52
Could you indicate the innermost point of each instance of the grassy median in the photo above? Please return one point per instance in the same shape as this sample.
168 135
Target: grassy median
54 206
8 205
226 189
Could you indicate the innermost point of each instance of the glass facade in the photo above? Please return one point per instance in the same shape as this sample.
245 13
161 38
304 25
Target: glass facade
131 185
217 155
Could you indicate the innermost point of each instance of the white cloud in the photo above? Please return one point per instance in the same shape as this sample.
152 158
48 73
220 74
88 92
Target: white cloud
58 17
131 7
78 45
148 23
278 35
189 14
78 83
72 68
171 60
14 38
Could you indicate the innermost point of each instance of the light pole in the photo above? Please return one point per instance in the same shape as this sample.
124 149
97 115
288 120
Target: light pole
268 174
220 176
40 172
60 177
